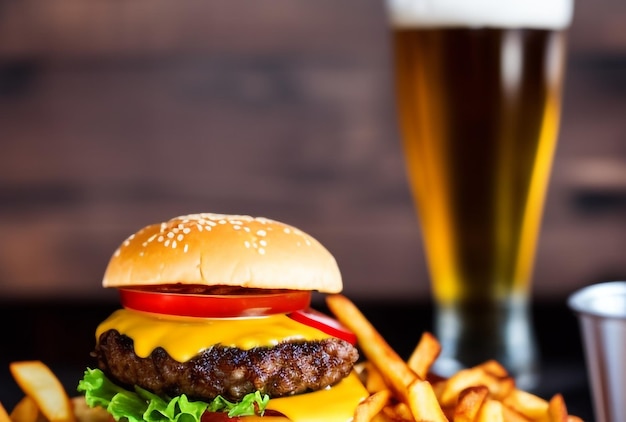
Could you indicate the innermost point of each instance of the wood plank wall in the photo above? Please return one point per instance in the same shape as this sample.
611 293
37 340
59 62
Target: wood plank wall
116 114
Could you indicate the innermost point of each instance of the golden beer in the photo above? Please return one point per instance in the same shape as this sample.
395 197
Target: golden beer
479 109
479 145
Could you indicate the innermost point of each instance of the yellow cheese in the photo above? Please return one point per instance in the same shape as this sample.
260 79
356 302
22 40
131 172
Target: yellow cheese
184 337
333 404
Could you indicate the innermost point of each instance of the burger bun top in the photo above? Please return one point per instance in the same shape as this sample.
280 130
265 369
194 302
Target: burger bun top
223 250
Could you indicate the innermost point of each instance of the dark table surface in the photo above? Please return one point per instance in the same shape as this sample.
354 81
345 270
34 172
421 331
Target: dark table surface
62 335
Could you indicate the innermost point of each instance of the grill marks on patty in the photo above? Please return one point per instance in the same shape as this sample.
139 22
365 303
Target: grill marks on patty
288 368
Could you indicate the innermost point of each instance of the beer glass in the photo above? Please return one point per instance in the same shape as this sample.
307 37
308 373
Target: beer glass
478 86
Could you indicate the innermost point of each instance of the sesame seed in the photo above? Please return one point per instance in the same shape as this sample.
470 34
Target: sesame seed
180 237
128 240
262 251
186 247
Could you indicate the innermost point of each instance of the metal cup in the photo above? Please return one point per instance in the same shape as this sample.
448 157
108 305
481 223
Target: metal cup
601 310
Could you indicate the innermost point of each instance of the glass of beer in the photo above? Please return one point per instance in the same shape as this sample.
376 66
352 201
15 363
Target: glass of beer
478 86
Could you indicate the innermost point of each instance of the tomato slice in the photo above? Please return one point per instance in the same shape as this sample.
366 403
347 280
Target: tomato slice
324 323
215 306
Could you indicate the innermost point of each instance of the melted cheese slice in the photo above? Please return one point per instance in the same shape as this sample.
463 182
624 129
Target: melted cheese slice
183 337
333 404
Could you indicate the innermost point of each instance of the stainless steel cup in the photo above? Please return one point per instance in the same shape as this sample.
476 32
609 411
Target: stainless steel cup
601 310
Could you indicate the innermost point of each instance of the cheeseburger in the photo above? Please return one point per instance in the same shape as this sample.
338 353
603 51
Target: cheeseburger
216 325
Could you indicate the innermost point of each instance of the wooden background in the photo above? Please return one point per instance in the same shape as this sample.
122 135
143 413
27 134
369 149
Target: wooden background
115 114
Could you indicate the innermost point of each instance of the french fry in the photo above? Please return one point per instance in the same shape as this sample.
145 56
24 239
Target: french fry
490 411
389 414
395 370
4 415
425 353
470 401
423 402
381 417
527 404
463 379
511 415
504 388
25 410
494 368
38 382
557 409
371 406
398 412
374 380
438 387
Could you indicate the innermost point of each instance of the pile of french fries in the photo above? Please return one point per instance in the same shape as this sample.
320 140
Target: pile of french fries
407 391
399 391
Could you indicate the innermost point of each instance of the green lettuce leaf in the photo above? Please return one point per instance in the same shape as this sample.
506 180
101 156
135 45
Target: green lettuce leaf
246 407
142 405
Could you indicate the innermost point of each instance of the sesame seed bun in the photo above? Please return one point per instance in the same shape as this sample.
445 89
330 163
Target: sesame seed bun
226 250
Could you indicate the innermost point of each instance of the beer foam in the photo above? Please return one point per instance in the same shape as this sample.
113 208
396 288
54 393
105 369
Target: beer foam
537 14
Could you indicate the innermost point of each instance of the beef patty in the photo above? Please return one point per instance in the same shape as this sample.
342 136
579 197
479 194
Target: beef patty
285 369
